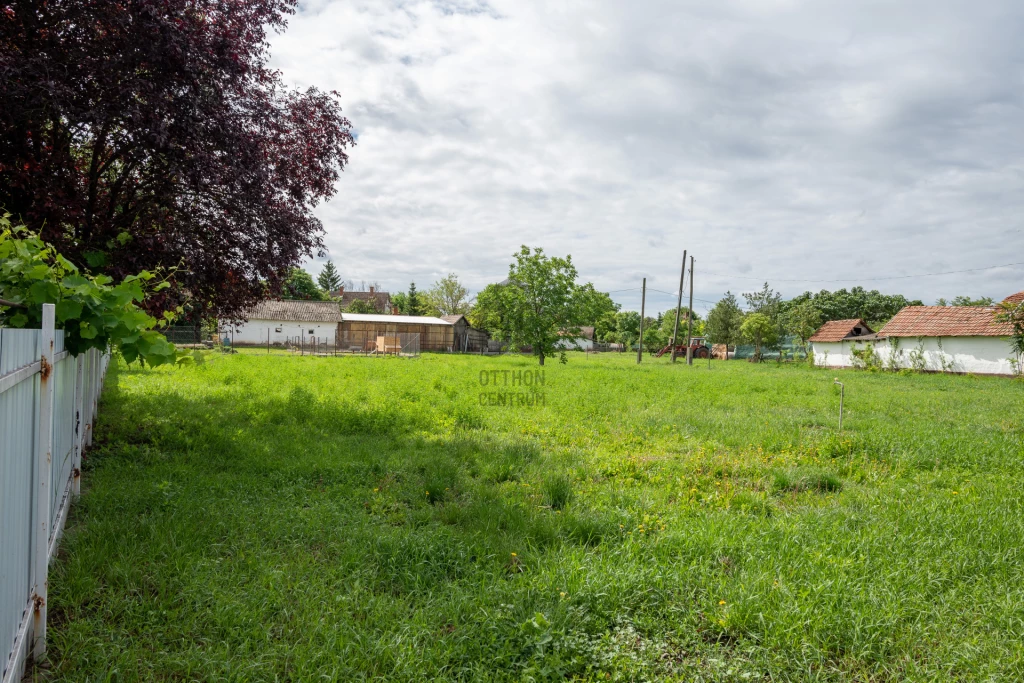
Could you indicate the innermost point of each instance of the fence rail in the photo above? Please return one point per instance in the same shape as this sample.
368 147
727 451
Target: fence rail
48 400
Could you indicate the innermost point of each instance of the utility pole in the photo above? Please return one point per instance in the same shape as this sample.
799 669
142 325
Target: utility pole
679 304
689 321
640 346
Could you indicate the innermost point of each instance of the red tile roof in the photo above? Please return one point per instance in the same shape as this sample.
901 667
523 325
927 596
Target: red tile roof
838 330
946 321
1014 298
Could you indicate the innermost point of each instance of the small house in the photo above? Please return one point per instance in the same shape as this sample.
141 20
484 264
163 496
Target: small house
277 322
466 338
834 340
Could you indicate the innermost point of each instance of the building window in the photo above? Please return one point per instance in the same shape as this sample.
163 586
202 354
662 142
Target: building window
312 331
277 329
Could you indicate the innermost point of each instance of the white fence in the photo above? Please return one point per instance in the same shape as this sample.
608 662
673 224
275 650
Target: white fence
47 403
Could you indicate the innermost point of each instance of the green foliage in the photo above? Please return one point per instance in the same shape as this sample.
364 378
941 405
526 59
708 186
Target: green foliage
542 303
668 323
399 302
414 304
299 285
447 297
557 490
362 306
718 529
724 321
803 320
873 307
627 328
865 357
92 311
1014 314
965 301
758 329
329 279
655 338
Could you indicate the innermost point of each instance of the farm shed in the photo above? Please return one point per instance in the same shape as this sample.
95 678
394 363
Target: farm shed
833 341
466 337
584 342
359 331
277 321
948 339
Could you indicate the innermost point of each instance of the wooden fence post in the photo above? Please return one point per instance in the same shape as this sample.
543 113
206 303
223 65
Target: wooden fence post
76 466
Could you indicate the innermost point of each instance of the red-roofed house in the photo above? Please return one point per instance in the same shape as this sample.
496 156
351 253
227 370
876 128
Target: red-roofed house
833 341
938 338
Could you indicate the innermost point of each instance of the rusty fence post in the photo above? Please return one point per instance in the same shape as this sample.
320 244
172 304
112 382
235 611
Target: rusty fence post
76 465
41 513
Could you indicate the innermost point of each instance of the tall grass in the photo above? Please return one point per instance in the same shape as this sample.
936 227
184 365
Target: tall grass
261 518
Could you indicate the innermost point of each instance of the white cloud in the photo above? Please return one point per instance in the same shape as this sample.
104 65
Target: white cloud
781 140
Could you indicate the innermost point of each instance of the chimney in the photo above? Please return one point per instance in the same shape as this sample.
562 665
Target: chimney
371 289
341 289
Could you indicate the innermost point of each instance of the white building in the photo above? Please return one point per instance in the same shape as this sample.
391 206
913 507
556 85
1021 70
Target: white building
277 322
834 340
936 338
584 342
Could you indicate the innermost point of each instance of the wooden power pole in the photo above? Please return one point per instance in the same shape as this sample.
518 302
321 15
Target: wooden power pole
679 304
643 302
689 321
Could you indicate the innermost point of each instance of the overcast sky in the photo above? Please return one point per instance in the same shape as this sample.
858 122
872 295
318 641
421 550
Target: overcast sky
774 139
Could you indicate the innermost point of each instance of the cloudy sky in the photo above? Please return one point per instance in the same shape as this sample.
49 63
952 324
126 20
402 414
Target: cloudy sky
813 144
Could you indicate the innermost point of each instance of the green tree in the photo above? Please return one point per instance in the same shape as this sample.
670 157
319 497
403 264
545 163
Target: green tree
803 320
968 301
668 324
399 302
488 312
300 285
448 297
724 321
362 306
329 279
655 338
413 303
627 328
93 312
542 301
759 330
1013 313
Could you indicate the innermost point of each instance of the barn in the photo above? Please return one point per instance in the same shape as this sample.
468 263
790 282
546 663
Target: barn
276 322
834 340
359 331
466 337
965 339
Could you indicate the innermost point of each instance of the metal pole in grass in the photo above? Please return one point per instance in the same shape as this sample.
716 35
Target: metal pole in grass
842 392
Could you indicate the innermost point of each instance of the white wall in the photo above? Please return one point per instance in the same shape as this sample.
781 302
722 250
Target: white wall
982 355
255 331
580 343
832 354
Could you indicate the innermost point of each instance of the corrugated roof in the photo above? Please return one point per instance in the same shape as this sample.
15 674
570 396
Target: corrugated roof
393 319
946 321
295 311
1014 298
838 330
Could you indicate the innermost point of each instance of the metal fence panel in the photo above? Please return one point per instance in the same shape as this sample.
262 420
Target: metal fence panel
25 470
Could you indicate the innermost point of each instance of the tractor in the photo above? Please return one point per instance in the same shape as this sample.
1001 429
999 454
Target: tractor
698 345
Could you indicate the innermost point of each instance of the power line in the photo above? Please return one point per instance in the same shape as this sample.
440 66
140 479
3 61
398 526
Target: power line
866 279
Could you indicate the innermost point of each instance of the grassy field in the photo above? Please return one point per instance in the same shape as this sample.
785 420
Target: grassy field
271 518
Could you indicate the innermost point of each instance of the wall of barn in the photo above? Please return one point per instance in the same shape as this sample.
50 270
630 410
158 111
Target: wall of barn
254 332
363 335
978 355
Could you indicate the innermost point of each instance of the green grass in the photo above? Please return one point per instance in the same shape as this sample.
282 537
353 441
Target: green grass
270 518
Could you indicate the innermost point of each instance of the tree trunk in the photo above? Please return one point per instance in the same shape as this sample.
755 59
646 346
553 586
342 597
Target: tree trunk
542 358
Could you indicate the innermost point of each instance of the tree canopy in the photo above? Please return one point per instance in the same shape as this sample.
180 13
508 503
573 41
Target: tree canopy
447 297
92 310
542 303
842 304
300 285
724 321
139 135
759 330
329 279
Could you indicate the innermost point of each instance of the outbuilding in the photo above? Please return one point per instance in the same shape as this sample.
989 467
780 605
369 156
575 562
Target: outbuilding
277 322
834 340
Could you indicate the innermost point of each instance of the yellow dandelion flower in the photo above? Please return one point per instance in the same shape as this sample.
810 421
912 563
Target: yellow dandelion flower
721 602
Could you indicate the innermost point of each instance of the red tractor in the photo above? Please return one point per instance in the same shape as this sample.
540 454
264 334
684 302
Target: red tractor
698 345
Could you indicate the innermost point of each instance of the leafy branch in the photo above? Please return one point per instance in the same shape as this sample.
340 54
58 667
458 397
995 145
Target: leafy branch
92 311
